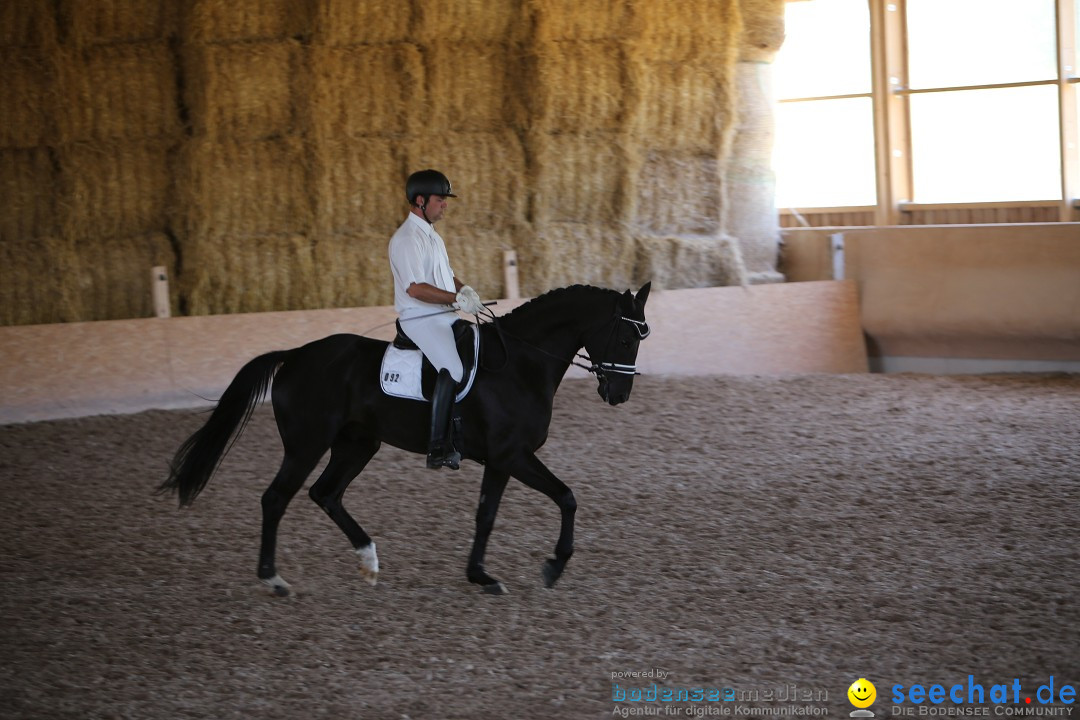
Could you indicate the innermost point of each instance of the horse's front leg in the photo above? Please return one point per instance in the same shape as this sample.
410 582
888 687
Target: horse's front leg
491 492
530 471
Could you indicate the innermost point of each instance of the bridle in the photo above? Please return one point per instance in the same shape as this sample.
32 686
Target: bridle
599 369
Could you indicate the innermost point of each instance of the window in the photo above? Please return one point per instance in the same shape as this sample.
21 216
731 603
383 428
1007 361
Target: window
927 102
824 150
971 139
980 42
985 145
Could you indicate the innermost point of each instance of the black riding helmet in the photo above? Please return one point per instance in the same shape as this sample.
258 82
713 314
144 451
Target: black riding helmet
425 183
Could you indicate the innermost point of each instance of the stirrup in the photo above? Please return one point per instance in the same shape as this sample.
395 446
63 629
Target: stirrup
436 460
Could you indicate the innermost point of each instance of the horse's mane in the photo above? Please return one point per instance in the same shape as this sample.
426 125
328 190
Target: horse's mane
523 312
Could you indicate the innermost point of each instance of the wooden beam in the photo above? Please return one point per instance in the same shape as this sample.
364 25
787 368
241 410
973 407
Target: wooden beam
888 46
1067 95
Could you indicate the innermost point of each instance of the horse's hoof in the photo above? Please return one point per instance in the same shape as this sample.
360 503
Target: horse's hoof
496 588
369 563
551 575
277 586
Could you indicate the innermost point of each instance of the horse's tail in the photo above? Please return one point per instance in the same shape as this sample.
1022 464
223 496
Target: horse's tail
200 454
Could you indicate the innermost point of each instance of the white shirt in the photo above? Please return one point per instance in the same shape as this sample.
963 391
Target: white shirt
418 255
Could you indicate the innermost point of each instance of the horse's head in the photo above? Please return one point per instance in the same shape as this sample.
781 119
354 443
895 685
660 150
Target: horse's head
614 346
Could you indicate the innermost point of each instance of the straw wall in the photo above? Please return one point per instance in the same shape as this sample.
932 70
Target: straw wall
233 188
115 21
480 21
113 189
356 184
763 29
347 22
459 68
116 92
679 193
351 269
206 21
575 20
582 86
258 149
28 23
113 274
691 261
30 103
28 189
243 91
749 186
212 287
477 255
565 253
367 90
36 280
54 279
488 173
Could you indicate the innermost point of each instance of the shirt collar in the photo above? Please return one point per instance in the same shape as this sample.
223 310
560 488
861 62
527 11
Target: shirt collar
428 227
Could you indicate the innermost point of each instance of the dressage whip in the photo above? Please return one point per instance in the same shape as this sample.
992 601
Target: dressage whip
421 317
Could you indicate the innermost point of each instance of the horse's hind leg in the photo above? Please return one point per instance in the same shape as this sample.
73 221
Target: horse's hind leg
348 456
289 479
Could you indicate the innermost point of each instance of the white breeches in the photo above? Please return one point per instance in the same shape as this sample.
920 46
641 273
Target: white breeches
434 335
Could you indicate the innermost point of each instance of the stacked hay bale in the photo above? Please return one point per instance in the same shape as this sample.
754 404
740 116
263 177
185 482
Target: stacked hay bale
469 124
245 209
86 158
31 256
750 188
683 136
583 97
259 149
364 101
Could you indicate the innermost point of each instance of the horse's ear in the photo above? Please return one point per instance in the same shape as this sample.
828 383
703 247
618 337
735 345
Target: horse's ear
643 294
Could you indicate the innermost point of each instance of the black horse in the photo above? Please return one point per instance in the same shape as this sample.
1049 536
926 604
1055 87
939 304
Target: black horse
326 395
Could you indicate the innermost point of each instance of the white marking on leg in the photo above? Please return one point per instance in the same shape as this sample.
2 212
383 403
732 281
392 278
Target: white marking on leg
369 563
277 585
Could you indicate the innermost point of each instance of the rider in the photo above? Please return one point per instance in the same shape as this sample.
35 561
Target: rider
426 293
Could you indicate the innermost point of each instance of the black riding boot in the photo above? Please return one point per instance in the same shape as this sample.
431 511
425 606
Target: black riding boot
441 452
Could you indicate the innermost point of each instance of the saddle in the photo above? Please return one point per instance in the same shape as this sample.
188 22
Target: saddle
406 373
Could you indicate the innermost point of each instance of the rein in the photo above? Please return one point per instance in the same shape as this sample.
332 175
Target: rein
487 316
598 369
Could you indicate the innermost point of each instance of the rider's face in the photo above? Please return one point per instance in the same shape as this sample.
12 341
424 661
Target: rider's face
436 206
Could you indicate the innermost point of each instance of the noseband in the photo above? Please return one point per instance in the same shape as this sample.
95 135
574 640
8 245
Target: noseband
602 369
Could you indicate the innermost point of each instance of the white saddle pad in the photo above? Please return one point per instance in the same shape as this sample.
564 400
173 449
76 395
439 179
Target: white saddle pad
400 372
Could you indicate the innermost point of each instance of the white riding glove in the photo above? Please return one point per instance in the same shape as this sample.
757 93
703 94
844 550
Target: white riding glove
468 301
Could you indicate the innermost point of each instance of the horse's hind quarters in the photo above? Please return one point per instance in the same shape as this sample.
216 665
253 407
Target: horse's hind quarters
369 563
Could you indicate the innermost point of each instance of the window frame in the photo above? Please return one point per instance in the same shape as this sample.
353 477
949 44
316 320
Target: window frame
890 94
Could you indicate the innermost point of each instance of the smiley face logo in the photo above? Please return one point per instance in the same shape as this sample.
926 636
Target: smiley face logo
862 693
